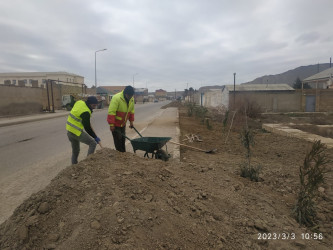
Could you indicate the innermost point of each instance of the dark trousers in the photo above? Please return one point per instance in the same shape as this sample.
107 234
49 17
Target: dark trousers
119 139
75 141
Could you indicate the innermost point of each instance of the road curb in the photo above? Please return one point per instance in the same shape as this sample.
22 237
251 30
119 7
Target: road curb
34 117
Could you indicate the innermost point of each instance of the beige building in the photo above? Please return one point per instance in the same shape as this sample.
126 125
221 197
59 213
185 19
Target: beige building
38 79
320 96
322 80
160 94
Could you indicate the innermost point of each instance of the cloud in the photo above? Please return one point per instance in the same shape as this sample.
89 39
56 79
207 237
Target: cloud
309 37
170 44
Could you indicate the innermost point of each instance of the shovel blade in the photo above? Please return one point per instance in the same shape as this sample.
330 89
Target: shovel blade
212 151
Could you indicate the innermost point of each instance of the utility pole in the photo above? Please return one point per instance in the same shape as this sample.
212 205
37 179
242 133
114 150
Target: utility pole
234 90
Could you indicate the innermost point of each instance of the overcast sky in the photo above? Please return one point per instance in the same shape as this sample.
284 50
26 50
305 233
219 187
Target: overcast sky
168 44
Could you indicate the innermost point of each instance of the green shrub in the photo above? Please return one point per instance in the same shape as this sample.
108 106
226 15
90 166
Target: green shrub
311 175
190 108
200 112
248 171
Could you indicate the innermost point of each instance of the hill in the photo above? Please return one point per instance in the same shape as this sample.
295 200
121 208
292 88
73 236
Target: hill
290 76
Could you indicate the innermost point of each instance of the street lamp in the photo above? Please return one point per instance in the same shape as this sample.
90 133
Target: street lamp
95 67
133 78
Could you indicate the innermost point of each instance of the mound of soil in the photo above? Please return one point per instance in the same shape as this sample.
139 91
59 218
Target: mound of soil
114 200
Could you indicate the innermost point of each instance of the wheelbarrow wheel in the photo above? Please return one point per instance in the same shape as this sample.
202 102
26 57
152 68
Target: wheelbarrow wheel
162 155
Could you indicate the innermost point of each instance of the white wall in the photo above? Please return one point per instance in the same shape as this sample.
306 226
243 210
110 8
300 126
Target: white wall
212 98
225 98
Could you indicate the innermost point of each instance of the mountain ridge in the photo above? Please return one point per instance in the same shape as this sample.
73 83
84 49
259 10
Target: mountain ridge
290 76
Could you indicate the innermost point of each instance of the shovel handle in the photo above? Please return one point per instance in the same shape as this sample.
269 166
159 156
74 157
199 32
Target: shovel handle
177 143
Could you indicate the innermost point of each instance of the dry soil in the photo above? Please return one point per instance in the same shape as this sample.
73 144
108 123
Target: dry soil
116 200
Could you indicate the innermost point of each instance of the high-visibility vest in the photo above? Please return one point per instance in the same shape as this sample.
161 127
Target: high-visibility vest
74 121
119 111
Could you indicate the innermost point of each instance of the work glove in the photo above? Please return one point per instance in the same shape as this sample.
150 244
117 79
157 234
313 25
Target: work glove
97 140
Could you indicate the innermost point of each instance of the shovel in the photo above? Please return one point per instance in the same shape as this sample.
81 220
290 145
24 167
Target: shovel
199 149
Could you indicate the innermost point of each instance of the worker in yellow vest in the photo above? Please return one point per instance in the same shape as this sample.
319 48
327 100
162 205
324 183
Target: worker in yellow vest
79 119
121 109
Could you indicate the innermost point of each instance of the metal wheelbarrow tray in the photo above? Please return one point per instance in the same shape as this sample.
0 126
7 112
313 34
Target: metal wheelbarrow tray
151 145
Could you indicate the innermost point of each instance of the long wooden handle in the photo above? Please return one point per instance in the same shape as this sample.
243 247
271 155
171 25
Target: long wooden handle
177 143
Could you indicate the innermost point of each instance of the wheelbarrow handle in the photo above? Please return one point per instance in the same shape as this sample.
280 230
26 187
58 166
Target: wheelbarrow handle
128 137
137 131
125 136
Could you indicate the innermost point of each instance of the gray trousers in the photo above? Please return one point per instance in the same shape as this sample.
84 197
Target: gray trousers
75 141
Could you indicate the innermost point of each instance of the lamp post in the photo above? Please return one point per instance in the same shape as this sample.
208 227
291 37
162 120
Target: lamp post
95 67
133 78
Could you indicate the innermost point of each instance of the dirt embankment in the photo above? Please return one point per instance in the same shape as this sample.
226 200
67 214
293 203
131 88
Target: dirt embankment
116 200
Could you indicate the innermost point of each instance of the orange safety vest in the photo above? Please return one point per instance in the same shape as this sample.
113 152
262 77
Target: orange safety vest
119 111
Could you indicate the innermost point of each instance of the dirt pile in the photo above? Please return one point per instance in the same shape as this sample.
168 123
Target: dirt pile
116 200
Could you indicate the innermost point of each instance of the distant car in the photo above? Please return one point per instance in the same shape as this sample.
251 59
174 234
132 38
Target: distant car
155 100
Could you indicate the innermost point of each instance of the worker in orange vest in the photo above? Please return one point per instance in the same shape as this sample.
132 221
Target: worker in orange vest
121 109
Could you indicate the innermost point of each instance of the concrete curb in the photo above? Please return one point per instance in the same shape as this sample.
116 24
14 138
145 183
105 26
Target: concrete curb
296 133
15 121
34 117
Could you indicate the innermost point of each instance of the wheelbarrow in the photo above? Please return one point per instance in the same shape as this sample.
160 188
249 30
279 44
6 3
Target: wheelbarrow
151 145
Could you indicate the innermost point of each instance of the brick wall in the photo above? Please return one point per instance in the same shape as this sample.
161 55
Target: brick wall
16 100
20 100
269 101
326 100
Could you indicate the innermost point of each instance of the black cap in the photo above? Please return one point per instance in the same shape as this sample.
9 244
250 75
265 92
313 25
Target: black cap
92 100
129 90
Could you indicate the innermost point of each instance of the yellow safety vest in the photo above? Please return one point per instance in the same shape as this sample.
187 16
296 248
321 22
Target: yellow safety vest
74 121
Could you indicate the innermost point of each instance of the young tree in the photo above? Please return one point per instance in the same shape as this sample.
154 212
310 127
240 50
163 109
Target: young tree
297 83
185 93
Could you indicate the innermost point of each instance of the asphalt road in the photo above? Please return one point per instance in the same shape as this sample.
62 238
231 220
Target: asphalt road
33 153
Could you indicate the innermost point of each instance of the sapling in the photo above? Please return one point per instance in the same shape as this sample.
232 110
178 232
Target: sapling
247 170
311 175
